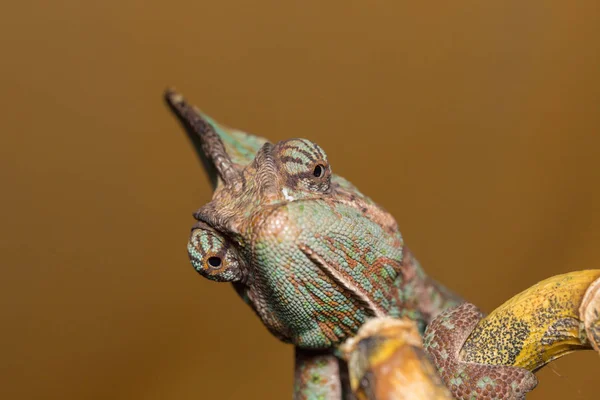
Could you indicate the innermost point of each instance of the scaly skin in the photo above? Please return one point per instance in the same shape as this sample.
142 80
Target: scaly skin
310 254
317 375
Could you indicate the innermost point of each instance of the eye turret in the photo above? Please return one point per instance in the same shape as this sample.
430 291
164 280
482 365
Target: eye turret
213 256
304 165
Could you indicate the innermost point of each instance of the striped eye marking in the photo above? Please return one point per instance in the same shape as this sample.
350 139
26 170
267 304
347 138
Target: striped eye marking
304 164
213 256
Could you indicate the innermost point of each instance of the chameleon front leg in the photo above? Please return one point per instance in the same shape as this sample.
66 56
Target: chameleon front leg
317 375
494 357
444 340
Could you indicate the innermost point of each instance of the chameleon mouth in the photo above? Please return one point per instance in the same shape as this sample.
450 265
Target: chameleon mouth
336 273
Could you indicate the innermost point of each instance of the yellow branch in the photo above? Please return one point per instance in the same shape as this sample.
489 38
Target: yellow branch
550 319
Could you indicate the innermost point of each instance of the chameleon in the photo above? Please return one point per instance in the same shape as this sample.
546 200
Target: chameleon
315 258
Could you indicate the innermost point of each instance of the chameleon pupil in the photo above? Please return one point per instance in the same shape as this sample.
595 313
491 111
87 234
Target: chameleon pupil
214 262
319 170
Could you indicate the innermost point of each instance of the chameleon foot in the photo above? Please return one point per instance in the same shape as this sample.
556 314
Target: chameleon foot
444 339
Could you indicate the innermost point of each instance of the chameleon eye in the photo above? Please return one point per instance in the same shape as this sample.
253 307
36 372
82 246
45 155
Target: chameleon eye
304 165
214 262
213 256
319 171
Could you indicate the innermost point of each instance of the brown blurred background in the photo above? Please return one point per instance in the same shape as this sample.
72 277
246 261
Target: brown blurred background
475 123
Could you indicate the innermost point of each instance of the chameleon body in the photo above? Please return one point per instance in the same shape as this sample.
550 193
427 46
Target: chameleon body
310 254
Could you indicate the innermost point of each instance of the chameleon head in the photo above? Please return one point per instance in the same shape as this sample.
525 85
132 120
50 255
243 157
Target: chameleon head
291 170
304 248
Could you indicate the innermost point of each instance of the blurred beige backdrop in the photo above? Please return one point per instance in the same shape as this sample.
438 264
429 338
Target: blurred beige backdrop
475 123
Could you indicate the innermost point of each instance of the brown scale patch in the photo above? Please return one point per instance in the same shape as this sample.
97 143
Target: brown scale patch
320 305
257 302
290 159
370 269
328 331
368 208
